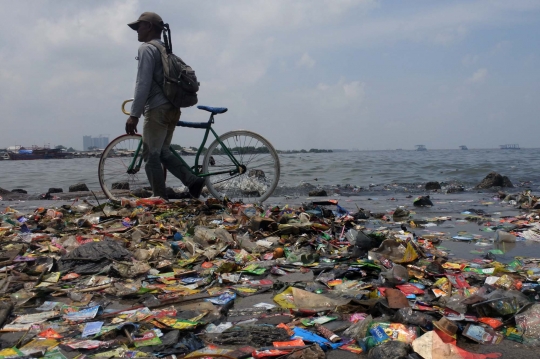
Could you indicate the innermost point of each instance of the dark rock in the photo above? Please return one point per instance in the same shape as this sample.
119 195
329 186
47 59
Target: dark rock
318 193
79 187
3 191
120 185
422 201
307 186
55 190
141 193
19 190
361 214
507 182
430 186
494 179
455 189
401 212
45 196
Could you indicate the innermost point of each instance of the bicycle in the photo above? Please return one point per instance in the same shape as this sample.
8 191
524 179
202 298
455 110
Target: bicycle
238 165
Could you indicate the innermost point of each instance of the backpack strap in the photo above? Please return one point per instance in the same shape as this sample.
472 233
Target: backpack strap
164 55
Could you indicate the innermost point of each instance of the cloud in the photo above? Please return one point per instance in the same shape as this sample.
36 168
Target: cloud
338 95
478 76
306 61
66 66
469 60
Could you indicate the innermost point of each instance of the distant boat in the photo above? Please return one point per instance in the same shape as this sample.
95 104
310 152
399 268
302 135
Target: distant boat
463 147
421 148
509 147
17 153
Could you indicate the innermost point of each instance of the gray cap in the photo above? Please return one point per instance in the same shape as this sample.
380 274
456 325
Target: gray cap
150 17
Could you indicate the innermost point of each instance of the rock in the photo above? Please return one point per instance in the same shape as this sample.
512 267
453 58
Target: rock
494 179
141 193
430 186
455 189
401 212
318 193
307 186
55 190
507 182
79 187
19 190
3 191
120 185
361 214
422 201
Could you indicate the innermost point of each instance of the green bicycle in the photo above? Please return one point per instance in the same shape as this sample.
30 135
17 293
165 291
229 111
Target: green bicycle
240 165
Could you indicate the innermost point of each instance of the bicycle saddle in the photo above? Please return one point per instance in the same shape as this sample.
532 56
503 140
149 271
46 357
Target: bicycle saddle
214 110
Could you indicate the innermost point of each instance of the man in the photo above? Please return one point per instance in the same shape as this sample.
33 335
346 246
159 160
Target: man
160 116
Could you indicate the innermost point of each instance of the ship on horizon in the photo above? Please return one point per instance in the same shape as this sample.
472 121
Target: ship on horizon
514 146
17 153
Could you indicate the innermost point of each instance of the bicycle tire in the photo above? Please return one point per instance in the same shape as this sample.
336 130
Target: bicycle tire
257 154
112 168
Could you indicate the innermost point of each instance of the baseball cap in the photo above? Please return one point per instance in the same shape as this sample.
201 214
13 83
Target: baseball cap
150 17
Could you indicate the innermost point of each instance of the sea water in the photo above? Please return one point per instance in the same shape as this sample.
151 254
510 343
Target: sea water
361 169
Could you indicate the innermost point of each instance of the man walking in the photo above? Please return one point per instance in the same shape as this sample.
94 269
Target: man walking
160 115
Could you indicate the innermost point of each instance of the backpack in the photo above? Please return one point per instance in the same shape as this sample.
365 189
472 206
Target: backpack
180 83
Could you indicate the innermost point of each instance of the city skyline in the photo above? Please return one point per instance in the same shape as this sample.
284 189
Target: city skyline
99 142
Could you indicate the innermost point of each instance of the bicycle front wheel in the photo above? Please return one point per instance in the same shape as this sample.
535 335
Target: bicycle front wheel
260 167
118 156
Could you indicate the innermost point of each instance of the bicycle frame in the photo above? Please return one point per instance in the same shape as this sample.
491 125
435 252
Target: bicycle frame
136 163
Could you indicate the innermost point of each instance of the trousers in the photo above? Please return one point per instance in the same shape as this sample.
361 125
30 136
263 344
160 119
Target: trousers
158 128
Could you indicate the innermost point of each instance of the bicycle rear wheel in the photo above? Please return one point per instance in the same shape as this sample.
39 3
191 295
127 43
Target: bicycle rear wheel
261 168
115 160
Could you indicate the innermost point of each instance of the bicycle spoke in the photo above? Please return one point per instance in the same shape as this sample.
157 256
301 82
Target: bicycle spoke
258 158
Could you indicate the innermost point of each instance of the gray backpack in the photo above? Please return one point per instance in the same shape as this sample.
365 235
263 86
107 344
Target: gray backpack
180 83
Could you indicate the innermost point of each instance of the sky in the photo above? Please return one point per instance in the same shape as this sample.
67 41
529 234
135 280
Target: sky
327 74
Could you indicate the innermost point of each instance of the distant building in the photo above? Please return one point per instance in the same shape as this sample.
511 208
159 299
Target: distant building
90 142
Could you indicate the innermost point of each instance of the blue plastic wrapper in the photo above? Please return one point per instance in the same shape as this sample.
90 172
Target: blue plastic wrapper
308 336
222 299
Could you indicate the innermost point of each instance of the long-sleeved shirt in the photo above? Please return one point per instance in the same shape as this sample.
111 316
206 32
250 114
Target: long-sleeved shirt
148 92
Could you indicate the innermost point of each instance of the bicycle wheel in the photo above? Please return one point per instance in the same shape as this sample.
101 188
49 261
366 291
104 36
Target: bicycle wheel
260 162
113 166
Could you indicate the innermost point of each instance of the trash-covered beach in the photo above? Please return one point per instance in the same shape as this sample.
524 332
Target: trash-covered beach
451 275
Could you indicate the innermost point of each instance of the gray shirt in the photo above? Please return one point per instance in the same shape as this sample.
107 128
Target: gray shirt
148 92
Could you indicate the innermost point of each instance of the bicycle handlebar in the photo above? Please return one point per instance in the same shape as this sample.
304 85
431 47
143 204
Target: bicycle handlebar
124 106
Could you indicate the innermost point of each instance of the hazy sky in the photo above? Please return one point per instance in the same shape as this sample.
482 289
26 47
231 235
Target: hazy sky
307 74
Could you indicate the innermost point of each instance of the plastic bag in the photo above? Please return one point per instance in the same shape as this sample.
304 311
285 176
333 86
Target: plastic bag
94 255
528 322
396 275
359 329
409 316
389 350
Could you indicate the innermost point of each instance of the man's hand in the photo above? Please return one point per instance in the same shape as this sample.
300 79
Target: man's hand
131 125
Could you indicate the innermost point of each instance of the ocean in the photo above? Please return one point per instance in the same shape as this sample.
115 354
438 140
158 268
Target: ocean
354 172
379 181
